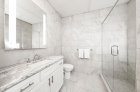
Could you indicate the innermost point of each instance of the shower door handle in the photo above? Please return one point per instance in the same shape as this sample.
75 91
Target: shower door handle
112 50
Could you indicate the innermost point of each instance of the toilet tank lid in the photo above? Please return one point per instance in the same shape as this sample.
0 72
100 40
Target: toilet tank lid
68 65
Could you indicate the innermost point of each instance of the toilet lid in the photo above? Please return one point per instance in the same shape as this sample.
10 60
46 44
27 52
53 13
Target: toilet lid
68 66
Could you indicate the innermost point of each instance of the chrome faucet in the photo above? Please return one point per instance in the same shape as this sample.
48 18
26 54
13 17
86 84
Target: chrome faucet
36 58
25 60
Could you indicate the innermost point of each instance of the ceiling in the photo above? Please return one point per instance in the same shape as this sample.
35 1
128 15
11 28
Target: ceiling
72 7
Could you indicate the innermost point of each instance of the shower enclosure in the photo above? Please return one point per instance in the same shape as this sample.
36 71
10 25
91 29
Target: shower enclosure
119 47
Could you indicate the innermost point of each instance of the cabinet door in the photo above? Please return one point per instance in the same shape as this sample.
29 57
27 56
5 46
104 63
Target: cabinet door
44 86
26 85
57 79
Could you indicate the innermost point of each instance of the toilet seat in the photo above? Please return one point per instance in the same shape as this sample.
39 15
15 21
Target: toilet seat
68 66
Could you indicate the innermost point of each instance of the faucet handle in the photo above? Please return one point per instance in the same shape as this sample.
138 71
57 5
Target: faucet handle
28 60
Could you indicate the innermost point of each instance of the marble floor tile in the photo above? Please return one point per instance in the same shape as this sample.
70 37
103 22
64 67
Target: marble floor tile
83 83
120 85
123 86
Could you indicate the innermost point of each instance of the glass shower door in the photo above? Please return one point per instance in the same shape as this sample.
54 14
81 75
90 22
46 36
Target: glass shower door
107 57
118 49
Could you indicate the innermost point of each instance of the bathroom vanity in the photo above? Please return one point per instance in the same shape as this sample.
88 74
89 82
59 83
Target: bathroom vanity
42 76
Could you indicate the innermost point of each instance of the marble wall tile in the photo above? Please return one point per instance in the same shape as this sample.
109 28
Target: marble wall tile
120 75
107 58
120 67
1 17
108 66
131 32
66 20
131 42
2 4
123 8
138 86
138 32
138 64
96 13
84 31
137 8
2 38
88 15
87 22
132 79
108 73
118 17
116 9
120 33
78 17
84 63
96 65
104 12
96 57
132 9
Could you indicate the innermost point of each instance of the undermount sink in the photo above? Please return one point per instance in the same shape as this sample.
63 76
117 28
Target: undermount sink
39 63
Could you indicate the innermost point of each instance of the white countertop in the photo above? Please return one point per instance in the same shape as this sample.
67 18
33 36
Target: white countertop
10 76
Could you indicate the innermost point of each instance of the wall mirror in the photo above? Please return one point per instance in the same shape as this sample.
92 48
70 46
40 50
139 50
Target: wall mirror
25 25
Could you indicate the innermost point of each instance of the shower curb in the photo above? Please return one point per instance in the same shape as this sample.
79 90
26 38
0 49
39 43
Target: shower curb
105 83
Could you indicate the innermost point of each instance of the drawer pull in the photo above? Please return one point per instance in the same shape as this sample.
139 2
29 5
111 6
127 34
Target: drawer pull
49 82
52 79
27 87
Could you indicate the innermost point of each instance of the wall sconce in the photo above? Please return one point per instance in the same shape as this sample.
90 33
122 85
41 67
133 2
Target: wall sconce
44 29
12 23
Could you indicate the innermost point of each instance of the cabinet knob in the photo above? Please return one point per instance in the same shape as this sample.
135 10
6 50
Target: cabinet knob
49 82
52 79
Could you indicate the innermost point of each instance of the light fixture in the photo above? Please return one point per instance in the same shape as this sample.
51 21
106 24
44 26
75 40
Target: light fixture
44 29
12 23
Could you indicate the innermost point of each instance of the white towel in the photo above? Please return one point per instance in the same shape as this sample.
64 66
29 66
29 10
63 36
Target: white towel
87 53
81 53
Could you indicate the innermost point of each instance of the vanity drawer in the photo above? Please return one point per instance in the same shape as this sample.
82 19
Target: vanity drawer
46 72
59 63
26 85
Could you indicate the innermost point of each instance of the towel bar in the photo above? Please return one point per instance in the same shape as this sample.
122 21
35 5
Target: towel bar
90 49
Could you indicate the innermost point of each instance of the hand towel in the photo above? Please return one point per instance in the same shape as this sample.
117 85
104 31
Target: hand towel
81 53
87 53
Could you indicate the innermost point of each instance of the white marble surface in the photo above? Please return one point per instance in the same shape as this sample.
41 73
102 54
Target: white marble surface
132 41
120 85
138 45
12 75
83 83
123 86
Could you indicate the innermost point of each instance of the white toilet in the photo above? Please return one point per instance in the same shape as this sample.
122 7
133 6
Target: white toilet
67 70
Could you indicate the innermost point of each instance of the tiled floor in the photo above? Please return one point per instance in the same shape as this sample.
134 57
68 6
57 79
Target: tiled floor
120 85
83 83
123 86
